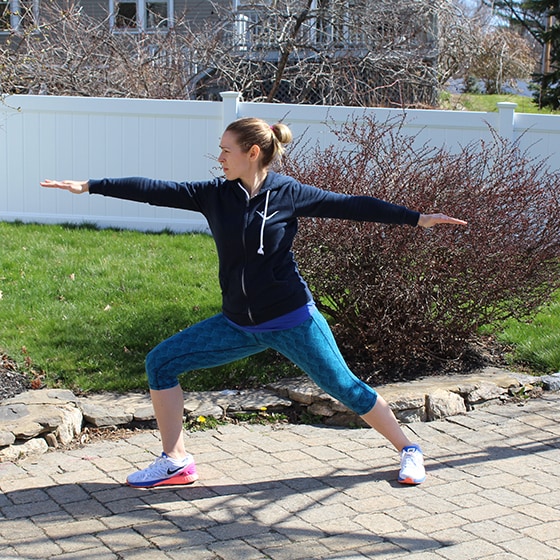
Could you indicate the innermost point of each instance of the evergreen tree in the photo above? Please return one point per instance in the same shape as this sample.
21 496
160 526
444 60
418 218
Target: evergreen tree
549 77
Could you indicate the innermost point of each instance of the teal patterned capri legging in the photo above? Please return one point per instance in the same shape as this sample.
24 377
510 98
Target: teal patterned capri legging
216 341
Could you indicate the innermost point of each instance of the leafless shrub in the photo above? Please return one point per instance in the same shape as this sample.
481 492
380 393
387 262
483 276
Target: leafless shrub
404 299
503 56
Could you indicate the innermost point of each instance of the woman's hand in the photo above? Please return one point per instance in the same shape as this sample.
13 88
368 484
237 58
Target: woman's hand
429 220
75 187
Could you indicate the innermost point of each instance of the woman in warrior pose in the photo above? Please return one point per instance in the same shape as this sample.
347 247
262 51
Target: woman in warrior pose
252 213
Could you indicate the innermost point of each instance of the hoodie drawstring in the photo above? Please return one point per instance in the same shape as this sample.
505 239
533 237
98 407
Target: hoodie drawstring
264 218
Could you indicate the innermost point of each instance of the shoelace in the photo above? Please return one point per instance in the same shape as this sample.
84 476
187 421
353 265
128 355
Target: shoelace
410 458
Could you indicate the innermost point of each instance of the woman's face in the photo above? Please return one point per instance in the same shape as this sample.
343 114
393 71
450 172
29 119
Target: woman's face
236 164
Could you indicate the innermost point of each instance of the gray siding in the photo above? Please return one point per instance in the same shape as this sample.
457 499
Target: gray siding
96 8
198 10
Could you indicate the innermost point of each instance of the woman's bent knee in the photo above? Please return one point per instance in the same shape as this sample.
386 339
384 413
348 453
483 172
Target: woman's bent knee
361 399
156 379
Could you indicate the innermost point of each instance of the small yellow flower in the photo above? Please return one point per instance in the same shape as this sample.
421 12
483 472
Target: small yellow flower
201 419
263 408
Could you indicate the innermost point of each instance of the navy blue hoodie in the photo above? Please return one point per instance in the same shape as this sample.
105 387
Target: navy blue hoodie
259 277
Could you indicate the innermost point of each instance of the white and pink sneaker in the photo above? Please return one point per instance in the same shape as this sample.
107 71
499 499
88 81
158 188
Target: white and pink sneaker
165 471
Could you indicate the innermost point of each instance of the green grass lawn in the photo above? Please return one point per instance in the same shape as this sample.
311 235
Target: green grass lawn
84 306
536 343
488 103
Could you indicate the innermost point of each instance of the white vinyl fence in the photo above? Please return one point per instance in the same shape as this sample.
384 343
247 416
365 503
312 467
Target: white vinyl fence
79 138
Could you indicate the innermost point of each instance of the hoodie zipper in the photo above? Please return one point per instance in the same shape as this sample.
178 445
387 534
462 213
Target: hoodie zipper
243 241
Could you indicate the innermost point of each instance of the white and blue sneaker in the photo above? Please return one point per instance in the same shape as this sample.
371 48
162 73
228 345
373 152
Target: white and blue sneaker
412 465
165 471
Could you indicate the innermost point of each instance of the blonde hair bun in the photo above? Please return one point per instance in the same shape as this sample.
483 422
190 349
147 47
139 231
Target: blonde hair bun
282 132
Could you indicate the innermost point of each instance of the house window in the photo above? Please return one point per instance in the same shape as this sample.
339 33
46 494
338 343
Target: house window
125 16
157 15
141 15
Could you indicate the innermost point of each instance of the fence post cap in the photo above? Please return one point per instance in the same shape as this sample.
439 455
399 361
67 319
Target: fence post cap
506 105
230 94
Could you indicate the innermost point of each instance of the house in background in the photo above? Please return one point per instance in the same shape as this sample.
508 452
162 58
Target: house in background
363 44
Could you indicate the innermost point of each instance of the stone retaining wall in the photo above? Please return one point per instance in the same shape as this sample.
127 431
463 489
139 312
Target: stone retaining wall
33 421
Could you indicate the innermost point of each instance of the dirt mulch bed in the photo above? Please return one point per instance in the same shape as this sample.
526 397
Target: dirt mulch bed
12 381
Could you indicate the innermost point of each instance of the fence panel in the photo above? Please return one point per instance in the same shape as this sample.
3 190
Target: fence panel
80 138
540 136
